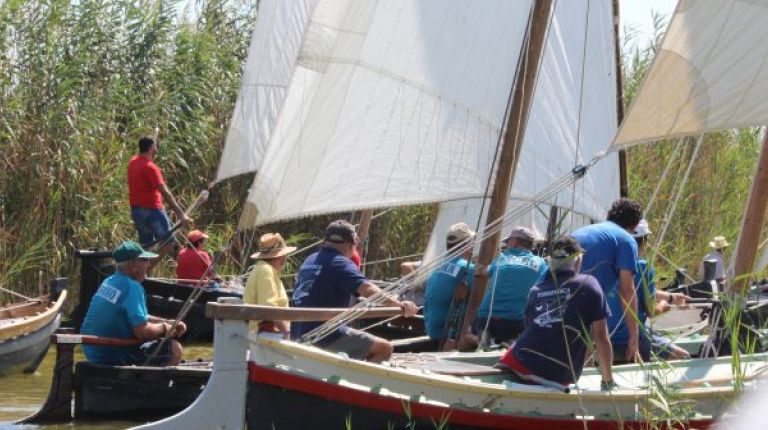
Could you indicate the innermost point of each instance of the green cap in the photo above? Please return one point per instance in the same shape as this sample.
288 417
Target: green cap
130 250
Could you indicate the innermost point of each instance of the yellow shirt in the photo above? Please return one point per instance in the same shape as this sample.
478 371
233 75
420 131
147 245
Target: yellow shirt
264 287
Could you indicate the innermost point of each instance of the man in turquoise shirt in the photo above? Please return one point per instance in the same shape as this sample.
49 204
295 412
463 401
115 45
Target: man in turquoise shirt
447 288
119 310
511 276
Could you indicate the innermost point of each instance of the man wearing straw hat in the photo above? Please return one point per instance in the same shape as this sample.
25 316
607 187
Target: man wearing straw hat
264 286
329 279
719 244
119 310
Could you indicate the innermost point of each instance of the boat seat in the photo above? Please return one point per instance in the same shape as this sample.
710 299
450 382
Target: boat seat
457 368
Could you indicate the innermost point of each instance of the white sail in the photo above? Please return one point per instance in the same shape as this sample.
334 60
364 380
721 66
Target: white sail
702 77
391 103
272 56
569 123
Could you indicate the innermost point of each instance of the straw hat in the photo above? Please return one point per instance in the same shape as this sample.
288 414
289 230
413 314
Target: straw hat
272 245
719 242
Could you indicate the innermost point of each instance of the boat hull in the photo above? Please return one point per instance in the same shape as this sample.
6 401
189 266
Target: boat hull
284 401
20 353
135 392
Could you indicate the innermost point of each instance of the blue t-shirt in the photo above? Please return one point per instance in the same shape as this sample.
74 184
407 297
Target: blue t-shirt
645 285
558 321
118 306
511 275
326 279
440 287
609 249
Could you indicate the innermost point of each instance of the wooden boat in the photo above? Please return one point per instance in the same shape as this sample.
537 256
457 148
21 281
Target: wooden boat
456 389
164 299
25 331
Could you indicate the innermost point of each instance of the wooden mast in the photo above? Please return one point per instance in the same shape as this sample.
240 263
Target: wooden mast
623 182
752 225
522 96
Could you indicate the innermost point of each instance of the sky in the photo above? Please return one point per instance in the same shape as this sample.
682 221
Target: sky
637 14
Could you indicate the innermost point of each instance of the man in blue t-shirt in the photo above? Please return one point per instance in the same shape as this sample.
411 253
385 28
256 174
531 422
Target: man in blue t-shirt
512 274
562 313
650 302
611 257
119 310
447 289
329 279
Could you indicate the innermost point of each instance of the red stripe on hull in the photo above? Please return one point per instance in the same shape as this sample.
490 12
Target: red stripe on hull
481 420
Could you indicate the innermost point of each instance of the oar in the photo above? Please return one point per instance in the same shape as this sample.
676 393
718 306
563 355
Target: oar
201 198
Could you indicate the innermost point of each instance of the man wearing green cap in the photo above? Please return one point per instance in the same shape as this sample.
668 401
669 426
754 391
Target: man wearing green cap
119 310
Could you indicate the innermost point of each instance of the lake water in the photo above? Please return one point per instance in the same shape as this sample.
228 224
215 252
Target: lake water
22 395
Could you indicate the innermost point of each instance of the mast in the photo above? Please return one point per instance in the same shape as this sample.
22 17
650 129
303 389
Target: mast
522 96
623 181
752 225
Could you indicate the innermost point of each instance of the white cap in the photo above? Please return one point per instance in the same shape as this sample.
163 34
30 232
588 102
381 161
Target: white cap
642 229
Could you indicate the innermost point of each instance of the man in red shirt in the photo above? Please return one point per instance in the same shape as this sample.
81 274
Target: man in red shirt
147 190
193 261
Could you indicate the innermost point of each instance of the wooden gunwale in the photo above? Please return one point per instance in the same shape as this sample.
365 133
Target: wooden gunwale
34 322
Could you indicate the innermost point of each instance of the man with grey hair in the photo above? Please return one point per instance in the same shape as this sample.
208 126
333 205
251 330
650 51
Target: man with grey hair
119 310
512 274
328 279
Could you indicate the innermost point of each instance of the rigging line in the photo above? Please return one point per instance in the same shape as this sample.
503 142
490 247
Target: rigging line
657 253
421 274
678 195
581 106
387 260
667 168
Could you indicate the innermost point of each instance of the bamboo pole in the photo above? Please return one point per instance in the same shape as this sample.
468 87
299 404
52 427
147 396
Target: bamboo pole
514 134
623 182
752 225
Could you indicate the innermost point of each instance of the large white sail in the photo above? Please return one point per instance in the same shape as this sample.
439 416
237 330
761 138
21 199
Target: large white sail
268 71
702 77
390 103
573 116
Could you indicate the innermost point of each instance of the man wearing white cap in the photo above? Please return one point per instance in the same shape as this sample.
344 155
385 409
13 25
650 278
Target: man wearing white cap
650 302
512 274
719 244
447 288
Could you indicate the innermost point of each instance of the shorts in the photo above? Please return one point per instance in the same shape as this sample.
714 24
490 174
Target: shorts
152 225
140 355
499 329
355 343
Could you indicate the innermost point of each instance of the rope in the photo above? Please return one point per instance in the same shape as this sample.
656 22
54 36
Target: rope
422 273
664 174
678 195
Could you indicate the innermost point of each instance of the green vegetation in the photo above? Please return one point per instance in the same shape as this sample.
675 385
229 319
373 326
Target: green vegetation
81 81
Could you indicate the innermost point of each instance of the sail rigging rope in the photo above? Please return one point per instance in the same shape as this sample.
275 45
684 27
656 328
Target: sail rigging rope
664 173
421 274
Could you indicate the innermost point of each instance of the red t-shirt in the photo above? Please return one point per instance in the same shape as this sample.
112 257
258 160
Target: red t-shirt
144 180
192 264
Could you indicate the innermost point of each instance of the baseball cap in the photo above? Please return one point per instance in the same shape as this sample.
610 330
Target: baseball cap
458 232
523 233
340 231
130 250
195 235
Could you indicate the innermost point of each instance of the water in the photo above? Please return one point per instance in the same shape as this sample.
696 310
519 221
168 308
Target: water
22 395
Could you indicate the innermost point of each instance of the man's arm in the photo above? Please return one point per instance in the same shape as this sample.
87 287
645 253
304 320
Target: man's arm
629 306
168 196
179 330
603 349
367 289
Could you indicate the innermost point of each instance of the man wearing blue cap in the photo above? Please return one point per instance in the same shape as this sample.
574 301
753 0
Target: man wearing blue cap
119 310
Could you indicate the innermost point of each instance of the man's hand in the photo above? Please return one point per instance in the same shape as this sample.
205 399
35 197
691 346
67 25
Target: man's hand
179 330
409 308
632 354
679 299
186 221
